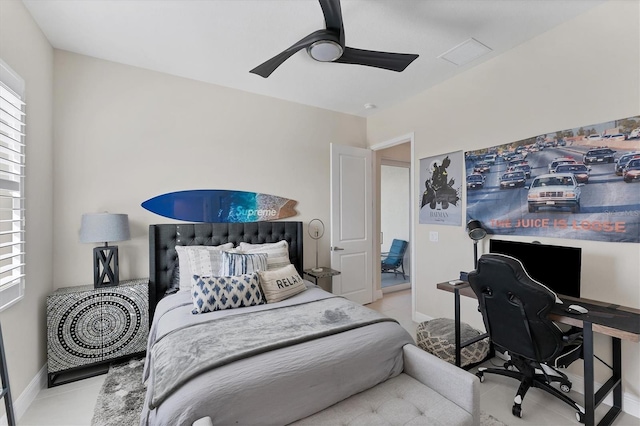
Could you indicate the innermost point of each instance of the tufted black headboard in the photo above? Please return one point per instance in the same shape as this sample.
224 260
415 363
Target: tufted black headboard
163 257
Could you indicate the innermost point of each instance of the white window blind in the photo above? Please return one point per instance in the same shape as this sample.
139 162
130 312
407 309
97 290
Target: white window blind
12 171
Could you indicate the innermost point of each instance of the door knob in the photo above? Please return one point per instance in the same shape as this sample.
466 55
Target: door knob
336 248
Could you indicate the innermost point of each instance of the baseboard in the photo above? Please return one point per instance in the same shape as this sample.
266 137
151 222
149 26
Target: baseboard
21 404
419 317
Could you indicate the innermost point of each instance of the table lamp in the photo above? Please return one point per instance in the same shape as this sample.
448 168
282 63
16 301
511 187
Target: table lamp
316 231
104 228
476 233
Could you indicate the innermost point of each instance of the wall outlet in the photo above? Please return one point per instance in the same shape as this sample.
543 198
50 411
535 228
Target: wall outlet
433 236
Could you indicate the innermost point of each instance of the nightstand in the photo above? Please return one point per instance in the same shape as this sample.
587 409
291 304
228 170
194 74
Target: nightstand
88 328
324 273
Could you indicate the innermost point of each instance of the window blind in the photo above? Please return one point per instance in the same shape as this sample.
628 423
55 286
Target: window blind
12 172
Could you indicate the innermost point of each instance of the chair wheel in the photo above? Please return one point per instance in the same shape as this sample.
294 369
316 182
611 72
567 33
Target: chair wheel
480 376
579 417
566 388
517 410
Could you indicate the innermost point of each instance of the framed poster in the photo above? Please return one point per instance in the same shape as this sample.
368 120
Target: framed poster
440 185
581 183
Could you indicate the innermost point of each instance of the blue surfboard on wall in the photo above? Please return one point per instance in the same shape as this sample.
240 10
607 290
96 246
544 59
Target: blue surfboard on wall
221 206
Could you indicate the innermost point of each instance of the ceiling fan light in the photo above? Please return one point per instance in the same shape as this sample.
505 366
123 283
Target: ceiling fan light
325 50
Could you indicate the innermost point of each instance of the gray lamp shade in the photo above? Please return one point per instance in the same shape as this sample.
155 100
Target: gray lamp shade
104 227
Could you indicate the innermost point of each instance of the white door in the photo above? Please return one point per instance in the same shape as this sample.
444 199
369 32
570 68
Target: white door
351 222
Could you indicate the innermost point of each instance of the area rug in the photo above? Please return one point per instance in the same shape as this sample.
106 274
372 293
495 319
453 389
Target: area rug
122 395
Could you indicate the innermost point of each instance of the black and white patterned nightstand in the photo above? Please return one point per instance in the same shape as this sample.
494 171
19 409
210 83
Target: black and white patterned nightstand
87 328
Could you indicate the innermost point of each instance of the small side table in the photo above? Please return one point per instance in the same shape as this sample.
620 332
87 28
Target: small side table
324 273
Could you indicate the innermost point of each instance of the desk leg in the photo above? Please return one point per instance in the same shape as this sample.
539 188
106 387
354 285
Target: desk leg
457 324
589 391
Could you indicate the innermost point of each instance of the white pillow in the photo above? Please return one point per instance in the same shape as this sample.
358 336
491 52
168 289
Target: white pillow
277 253
205 261
281 283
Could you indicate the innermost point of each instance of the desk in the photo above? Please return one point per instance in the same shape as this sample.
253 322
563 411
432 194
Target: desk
618 322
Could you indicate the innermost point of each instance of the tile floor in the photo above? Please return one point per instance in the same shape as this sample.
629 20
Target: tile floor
72 404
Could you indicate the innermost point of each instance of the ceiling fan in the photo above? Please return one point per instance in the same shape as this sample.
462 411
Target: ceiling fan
328 46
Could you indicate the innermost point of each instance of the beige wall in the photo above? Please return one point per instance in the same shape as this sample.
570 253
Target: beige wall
25 49
556 81
125 134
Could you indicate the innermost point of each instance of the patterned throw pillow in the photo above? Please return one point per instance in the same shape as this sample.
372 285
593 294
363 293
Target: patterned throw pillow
281 283
242 263
278 253
205 261
217 293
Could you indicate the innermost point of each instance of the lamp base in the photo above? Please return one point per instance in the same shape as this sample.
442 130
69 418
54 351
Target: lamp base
316 269
105 266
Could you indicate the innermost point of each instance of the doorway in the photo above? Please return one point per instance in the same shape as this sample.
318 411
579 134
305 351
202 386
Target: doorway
394 213
395 228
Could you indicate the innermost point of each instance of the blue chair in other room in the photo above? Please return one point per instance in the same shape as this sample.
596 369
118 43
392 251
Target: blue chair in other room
394 259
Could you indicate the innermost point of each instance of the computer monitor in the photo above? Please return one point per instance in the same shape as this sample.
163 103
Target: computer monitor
557 267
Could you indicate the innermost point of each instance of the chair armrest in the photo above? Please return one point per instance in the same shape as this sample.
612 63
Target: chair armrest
457 385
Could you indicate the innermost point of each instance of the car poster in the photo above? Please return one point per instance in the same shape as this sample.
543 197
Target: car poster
581 183
440 186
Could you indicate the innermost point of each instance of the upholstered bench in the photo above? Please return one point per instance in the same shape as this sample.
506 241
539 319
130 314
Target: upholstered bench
429 391
438 337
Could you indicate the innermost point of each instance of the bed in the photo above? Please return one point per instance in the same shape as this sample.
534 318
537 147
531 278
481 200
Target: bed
273 373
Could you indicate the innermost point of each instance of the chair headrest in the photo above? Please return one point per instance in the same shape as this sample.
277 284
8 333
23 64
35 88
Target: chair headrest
519 271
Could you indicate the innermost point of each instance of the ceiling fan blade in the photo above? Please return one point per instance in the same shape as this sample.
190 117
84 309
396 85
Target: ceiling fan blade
385 60
333 17
266 68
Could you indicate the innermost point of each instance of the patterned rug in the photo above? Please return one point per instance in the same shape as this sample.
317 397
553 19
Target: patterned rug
122 395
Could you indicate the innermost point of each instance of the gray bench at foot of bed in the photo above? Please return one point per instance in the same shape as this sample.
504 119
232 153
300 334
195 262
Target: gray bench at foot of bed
429 391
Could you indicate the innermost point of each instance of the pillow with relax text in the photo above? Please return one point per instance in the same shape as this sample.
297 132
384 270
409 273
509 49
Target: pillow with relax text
281 284
217 293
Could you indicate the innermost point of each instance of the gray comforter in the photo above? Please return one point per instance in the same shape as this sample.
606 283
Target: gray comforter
267 387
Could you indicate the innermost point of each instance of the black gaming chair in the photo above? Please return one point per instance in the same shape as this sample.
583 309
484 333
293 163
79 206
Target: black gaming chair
514 307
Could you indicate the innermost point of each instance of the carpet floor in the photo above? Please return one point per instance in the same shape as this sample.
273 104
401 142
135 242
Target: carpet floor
122 395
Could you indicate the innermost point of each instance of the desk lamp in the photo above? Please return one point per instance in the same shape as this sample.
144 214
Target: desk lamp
476 233
104 228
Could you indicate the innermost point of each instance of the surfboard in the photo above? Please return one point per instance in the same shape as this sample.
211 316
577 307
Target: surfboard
221 206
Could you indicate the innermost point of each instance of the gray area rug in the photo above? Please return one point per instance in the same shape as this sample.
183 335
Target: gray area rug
122 395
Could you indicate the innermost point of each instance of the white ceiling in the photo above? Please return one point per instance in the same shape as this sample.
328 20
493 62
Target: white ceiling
219 41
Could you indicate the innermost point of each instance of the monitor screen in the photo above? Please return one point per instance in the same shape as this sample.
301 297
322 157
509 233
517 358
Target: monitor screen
557 267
